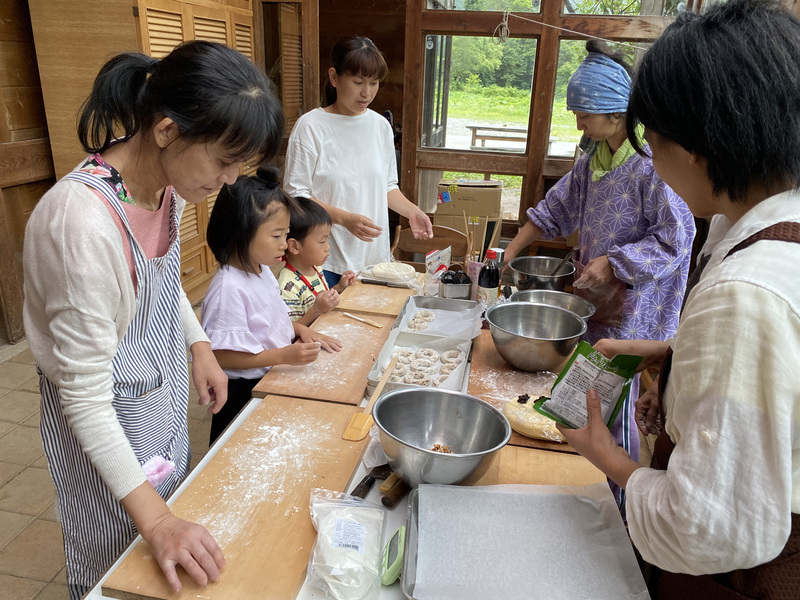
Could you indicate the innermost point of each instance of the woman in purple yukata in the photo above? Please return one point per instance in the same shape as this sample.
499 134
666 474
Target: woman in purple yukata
635 233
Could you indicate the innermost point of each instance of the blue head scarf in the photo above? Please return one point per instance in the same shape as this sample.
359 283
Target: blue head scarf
599 86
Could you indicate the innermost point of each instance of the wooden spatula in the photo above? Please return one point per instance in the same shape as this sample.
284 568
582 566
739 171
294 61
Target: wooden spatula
359 425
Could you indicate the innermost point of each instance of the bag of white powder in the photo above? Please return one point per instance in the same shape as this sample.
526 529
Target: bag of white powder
345 561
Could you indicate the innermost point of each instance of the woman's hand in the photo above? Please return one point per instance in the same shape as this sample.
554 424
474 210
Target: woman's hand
326 301
209 379
598 272
648 410
420 225
595 443
360 226
348 279
173 540
178 542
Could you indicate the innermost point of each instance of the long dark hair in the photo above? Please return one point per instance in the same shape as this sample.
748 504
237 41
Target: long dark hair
725 85
355 56
211 92
240 210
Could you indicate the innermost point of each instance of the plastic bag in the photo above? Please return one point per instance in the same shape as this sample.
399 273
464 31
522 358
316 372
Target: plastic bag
345 561
394 273
587 369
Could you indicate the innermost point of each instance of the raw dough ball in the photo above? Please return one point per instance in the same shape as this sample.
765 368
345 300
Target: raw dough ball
393 271
524 419
427 354
417 325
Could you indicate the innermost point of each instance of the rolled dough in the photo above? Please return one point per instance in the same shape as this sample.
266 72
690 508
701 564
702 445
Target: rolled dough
393 271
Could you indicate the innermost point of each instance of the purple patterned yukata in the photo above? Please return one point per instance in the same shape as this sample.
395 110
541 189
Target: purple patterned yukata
646 230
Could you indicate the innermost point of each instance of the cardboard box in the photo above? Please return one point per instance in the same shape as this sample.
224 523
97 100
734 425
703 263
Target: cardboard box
475 198
481 240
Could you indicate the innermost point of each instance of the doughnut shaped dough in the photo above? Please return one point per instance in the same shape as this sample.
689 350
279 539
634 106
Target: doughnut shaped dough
422 365
425 315
396 379
399 369
403 356
418 378
417 325
427 354
452 356
446 369
393 271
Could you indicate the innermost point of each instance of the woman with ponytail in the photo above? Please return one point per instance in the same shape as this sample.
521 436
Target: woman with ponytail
106 317
343 157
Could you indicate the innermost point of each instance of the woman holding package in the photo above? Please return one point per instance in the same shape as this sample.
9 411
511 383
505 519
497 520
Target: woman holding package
105 314
719 97
635 233
343 157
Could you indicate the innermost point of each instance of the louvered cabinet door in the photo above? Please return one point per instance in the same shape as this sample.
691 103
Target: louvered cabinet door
241 33
291 80
161 26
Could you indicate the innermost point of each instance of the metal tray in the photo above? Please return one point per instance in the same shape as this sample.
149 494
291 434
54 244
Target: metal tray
408 577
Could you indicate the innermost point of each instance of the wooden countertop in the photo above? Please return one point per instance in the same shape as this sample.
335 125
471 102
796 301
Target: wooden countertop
334 376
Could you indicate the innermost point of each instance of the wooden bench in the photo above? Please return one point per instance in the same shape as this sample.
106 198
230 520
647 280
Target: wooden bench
483 133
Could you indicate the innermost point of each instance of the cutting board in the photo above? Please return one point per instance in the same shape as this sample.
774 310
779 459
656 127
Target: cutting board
334 376
519 464
492 379
253 497
374 299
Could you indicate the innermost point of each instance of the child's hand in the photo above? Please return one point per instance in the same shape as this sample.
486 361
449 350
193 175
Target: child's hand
348 279
301 353
328 343
326 301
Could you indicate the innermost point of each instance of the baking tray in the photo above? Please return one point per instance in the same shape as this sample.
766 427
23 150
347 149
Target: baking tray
433 303
408 576
404 339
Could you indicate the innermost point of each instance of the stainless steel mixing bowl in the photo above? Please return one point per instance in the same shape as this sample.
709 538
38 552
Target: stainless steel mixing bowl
412 421
581 307
534 337
533 273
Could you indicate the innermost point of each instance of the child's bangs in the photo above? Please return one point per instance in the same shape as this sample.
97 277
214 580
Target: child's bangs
366 62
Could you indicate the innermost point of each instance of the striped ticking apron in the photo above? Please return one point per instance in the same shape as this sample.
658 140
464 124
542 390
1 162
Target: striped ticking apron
778 579
150 398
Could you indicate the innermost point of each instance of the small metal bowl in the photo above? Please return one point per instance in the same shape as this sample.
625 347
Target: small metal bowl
533 273
581 307
534 337
412 421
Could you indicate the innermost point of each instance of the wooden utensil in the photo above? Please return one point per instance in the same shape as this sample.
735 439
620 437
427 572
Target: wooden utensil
367 321
361 422
399 489
564 261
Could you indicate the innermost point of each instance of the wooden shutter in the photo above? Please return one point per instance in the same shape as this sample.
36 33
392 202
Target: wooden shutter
291 63
162 27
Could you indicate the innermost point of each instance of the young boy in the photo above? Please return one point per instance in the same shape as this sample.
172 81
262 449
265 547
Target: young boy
302 285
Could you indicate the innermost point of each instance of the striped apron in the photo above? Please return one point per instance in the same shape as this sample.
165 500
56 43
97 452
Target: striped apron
150 386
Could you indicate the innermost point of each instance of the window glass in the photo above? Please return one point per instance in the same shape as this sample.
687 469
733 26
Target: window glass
532 6
668 8
477 93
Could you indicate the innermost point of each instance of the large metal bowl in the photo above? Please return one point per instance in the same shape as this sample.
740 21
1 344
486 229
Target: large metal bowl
581 307
534 337
412 421
533 273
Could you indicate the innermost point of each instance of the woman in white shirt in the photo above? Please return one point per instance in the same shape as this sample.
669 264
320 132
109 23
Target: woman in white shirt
343 157
719 515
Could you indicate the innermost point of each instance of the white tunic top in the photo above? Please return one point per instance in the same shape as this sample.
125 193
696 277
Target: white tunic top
245 313
349 163
733 412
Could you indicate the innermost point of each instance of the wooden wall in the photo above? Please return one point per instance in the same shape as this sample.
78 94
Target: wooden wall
383 21
26 163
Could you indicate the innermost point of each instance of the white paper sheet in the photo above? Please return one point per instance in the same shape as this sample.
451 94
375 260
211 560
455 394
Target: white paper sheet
523 542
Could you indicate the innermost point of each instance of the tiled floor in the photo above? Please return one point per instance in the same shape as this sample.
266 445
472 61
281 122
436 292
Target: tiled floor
31 548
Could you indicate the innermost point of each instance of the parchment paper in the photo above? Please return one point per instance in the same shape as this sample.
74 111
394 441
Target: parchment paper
525 542
464 323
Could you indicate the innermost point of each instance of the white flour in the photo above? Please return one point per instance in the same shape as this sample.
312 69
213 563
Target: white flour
264 467
498 387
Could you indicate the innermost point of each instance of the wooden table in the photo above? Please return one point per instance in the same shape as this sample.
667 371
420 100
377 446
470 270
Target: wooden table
484 133
253 496
374 299
334 376
492 379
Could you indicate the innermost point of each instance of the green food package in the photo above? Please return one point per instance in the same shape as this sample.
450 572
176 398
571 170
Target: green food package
588 369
